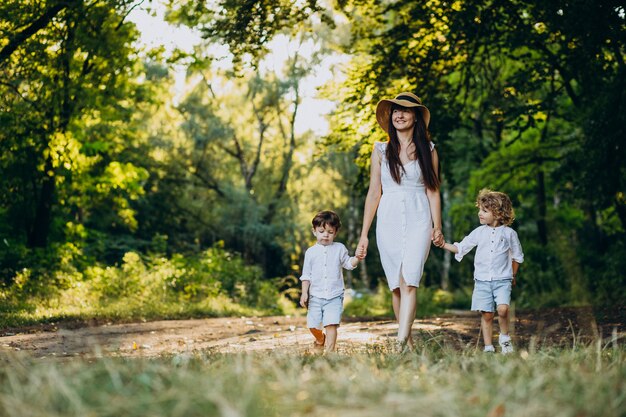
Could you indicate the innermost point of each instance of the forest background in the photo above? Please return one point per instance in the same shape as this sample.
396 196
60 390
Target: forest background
121 198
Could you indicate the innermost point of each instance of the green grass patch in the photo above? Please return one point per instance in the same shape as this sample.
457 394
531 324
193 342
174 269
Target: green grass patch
432 381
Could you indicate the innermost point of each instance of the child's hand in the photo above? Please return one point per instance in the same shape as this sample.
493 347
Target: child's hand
304 300
361 249
437 238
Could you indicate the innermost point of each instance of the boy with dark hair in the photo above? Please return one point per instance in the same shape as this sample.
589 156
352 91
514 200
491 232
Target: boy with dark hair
322 280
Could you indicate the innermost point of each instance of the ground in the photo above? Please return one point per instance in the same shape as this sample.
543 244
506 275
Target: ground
459 329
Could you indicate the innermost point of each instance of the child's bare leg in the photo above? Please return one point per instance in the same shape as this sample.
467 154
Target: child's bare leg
331 337
408 305
503 318
318 334
486 324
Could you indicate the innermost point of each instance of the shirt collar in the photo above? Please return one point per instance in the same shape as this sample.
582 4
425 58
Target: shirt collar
324 246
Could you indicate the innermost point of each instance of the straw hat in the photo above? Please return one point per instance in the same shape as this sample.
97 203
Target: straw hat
383 109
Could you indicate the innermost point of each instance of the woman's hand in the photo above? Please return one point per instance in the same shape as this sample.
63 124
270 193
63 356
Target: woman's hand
361 249
437 237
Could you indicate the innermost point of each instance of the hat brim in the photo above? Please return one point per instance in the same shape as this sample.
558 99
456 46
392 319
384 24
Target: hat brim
383 111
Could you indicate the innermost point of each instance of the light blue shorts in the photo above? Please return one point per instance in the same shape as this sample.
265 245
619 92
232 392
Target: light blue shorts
324 312
488 293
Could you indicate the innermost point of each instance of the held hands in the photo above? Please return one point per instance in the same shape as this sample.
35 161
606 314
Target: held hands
361 249
437 237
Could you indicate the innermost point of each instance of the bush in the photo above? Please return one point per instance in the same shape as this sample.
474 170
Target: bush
430 302
215 282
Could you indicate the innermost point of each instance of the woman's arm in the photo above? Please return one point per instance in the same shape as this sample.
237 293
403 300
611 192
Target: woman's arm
371 201
434 201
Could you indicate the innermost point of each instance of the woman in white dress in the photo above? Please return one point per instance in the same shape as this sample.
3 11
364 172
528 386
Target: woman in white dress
404 195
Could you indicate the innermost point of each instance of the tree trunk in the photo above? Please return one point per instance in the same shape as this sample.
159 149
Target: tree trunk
542 227
38 234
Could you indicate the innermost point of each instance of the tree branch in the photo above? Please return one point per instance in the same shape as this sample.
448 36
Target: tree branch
34 27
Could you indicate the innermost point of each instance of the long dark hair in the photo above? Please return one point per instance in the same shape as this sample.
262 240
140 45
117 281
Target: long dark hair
423 153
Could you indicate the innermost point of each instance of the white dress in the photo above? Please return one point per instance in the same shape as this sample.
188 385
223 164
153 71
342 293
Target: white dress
403 223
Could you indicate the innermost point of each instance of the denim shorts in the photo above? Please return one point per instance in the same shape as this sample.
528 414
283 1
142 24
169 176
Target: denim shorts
324 312
488 293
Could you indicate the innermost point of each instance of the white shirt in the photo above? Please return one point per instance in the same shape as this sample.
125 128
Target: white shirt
323 267
497 248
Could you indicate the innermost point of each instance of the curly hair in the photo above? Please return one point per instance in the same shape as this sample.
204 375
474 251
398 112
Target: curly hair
498 203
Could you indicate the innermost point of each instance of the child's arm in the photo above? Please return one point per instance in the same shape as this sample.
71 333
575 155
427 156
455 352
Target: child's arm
347 261
515 269
307 272
516 253
450 247
304 298
461 248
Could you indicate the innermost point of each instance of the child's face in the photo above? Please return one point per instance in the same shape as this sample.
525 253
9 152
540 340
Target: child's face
486 217
325 234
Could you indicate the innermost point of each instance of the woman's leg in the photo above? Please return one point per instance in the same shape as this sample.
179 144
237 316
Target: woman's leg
395 301
408 306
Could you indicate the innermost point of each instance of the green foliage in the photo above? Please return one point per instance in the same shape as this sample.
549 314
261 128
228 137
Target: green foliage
246 27
516 106
377 304
215 282
99 160
430 302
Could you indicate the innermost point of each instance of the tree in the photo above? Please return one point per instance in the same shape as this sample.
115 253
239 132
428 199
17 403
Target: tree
70 89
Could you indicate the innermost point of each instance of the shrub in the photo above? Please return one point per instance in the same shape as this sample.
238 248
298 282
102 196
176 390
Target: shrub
430 301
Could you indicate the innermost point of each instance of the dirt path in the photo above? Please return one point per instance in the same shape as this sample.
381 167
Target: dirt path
245 334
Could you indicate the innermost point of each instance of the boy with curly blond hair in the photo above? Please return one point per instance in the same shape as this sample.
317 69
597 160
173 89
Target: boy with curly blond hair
496 263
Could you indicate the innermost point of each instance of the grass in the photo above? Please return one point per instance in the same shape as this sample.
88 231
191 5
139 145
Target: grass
128 310
434 380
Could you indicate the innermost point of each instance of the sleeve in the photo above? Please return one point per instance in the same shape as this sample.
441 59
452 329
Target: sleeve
345 259
516 248
432 146
468 243
380 147
307 268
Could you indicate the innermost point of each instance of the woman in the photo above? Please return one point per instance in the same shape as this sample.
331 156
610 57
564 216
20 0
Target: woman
404 193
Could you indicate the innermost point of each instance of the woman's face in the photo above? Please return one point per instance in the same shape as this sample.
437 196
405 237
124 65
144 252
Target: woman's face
403 118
